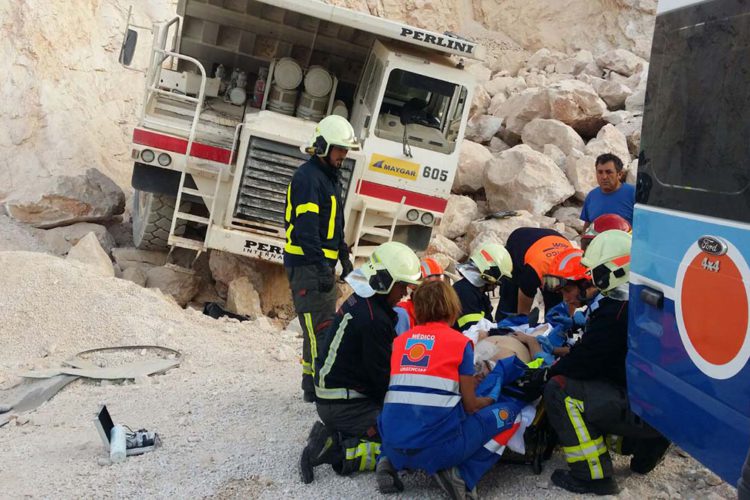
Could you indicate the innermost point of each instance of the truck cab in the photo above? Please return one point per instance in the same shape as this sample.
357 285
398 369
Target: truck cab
203 150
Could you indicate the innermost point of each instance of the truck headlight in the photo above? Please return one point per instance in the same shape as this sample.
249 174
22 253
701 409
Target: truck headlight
147 155
412 215
427 218
164 159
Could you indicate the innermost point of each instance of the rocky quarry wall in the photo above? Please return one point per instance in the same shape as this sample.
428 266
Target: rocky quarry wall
563 82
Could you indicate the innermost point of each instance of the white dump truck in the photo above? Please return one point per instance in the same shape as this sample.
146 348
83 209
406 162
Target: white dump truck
234 89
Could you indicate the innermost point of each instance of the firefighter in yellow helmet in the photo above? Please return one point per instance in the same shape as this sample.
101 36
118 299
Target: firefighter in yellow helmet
314 223
481 274
353 366
586 396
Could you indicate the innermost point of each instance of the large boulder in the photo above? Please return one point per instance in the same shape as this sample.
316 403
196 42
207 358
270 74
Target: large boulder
613 93
495 103
541 131
88 251
268 278
481 101
631 129
622 61
472 162
133 257
442 245
521 108
582 62
636 101
523 179
570 216
59 240
180 283
577 104
481 128
632 175
242 298
481 72
555 154
609 140
581 172
505 85
64 200
497 145
544 58
459 213
498 230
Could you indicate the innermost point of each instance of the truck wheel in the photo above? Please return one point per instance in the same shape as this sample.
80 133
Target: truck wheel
152 218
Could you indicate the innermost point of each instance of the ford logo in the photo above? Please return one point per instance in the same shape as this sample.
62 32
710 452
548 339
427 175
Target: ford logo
712 245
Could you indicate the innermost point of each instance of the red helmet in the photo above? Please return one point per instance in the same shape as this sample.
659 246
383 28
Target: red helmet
565 268
431 267
603 223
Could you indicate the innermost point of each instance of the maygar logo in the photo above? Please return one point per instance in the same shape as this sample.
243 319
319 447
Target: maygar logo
395 167
417 353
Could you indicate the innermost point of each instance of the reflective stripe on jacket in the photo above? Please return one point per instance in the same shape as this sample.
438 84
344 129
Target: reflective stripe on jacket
475 305
423 403
314 216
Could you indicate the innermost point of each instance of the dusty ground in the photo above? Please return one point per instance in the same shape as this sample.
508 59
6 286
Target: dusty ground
231 417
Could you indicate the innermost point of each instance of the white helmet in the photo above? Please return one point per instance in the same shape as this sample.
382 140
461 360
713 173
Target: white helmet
332 130
390 263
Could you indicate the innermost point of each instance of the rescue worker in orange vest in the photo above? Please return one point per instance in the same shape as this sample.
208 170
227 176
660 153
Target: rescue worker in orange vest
481 274
586 396
315 236
531 250
433 419
352 368
431 270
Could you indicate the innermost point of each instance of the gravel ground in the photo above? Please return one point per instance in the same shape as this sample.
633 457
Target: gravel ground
231 417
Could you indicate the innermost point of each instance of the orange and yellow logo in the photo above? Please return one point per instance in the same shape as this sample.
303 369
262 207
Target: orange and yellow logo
395 167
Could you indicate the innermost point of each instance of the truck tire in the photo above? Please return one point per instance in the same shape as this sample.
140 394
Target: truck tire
152 219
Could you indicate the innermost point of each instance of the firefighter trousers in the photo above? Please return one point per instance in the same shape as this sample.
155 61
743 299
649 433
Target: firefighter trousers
356 426
315 310
583 413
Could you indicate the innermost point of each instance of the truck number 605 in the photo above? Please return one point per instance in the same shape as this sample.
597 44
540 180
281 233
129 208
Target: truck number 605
435 174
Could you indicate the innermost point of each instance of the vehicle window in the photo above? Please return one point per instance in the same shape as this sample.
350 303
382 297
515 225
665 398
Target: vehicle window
426 105
696 135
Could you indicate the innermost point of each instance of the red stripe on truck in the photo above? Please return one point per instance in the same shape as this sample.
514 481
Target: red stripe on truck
179 145
419 200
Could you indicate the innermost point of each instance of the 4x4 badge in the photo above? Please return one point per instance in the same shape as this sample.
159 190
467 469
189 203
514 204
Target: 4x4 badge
712 245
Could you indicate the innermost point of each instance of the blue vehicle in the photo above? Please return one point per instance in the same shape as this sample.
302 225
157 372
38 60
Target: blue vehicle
688 371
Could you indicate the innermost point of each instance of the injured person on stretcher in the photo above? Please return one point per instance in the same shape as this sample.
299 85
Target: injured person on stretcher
438 417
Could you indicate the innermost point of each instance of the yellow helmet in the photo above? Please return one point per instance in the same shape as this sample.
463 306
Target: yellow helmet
493 262
332 130
608 258
390 263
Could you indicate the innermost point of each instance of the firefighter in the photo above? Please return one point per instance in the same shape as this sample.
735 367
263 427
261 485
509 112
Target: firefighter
353 364
431 270
531 250
586 396
480 275
603 223
315 236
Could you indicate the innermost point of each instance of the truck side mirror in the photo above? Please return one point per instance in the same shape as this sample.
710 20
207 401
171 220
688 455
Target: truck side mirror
128 47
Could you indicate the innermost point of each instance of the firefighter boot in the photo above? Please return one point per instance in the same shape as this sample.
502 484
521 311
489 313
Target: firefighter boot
648 453
565 480
387 477
322 447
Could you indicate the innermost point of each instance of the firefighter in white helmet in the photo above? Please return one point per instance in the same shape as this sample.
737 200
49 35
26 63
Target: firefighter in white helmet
353 366
315 236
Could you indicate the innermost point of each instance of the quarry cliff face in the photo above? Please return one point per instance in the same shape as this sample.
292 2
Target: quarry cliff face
69 105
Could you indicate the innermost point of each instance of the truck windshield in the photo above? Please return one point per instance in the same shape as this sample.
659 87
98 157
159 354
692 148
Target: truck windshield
431 110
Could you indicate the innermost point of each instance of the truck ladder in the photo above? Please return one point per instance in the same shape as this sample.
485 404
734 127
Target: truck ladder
378 232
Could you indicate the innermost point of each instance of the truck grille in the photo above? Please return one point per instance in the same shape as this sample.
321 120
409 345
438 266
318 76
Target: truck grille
267 172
